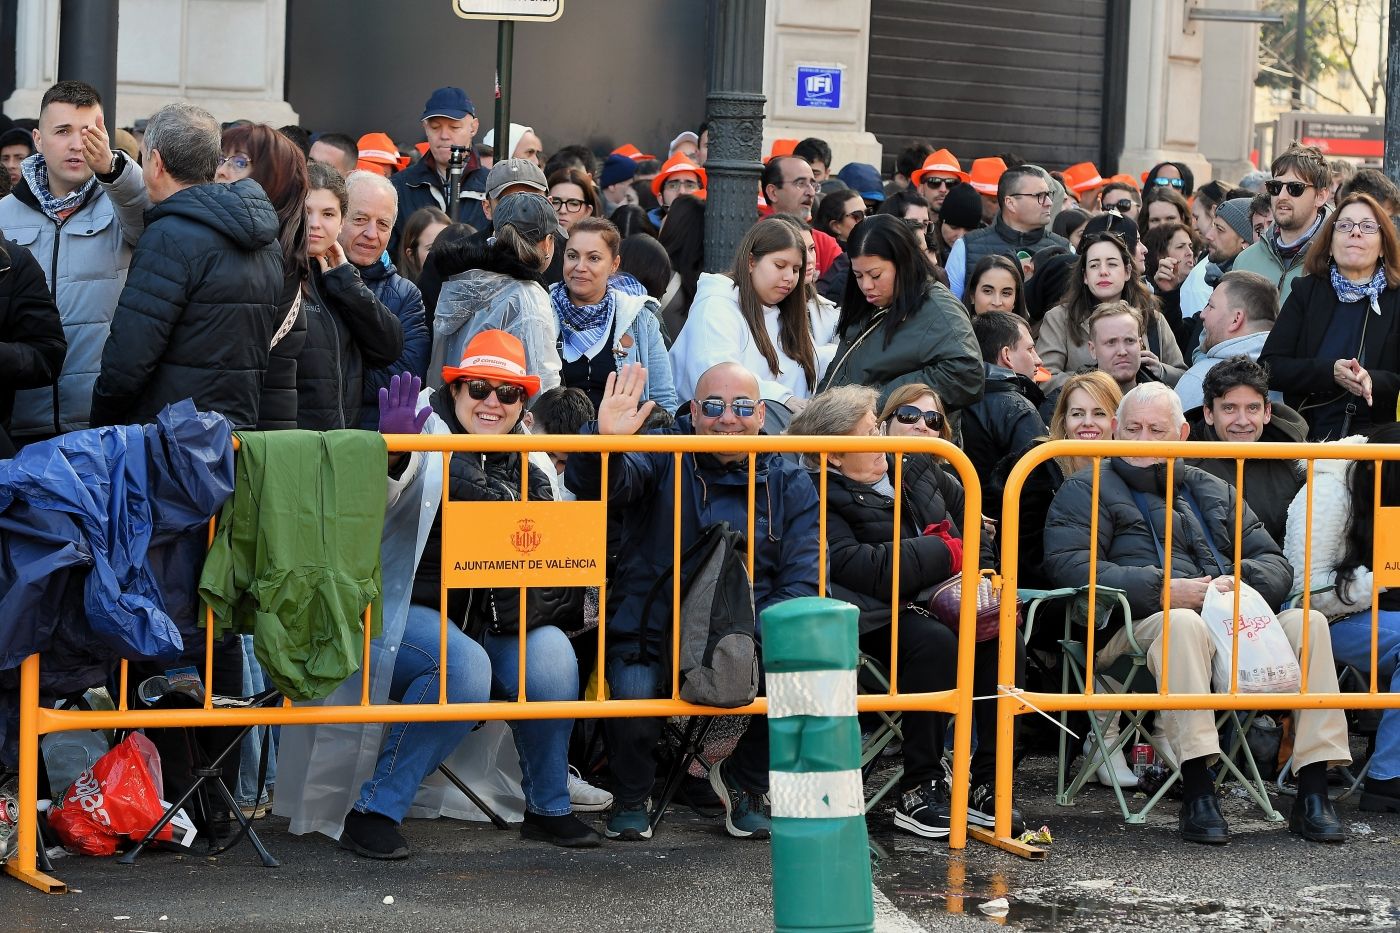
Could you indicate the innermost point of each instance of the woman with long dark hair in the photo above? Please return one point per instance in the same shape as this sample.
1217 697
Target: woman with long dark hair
257 151
1343 540
996 285
684 238
898 324
754 315
1104 272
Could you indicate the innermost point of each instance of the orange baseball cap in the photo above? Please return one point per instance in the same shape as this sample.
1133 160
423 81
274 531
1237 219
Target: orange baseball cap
781 147
495 355
378 152
632 152
675 165
1082 177
986 172
941 162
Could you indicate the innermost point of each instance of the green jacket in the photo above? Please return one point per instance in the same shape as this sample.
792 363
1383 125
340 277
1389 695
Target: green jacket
295 558
1261 257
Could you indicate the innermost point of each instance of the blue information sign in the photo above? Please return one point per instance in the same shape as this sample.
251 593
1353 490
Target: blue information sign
819 86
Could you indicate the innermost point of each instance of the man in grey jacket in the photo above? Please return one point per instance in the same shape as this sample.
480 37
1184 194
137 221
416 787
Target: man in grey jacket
79 209
1235 322
1132 513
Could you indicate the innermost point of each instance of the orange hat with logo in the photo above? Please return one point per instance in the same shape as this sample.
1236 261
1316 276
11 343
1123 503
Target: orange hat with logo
781 147
986 173
941 162
1082 177
675 165
497 356
632 152
378 153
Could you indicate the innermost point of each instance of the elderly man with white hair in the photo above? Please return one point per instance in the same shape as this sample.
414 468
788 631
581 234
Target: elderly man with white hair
1132 513
369 222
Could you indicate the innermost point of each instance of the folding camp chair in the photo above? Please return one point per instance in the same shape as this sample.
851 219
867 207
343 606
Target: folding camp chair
208 774
872 678
689 750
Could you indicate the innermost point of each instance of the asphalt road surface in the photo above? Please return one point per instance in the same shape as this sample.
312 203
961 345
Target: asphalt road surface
1101 875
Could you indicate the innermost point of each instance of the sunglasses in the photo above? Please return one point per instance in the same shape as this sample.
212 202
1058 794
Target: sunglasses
908 414
1174 182
506 393
1295 188
714 407
1124 206
857 216
949 183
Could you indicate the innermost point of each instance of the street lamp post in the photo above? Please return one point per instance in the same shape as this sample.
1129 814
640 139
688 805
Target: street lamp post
87 48
734 112
1392 96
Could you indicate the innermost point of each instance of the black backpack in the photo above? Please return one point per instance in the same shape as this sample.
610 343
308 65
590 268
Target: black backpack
718 656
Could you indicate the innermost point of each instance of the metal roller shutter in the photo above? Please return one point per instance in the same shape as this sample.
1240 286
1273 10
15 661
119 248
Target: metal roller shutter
991 76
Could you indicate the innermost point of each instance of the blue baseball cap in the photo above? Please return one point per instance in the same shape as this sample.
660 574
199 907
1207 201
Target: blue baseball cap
450 102
864 180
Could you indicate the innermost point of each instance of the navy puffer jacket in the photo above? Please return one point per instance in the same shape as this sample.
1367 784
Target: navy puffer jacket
402 297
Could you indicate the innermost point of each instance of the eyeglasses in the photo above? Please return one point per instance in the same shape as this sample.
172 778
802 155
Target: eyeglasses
806 184
857 216
240 162
1124 206
506 393
714 407
909 414
681 184
949 183
1368 227
1041 197
1174 182
918 225
568 205
1295 188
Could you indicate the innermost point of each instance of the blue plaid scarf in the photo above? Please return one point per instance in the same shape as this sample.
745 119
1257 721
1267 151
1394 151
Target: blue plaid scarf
581 327
1350 291
36 174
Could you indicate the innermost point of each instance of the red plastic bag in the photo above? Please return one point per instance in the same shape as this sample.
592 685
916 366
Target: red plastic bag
119 797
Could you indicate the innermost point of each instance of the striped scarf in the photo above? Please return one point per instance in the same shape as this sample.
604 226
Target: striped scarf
1350 291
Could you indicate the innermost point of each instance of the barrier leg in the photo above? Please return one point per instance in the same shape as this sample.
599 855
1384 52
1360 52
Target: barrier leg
23 865
821 862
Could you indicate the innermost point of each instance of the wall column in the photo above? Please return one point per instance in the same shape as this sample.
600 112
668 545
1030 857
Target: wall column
1164 100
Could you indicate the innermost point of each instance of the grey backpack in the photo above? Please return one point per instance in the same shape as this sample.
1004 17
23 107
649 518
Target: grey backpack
718 654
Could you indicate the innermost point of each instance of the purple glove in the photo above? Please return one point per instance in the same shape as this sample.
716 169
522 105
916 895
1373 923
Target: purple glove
398 406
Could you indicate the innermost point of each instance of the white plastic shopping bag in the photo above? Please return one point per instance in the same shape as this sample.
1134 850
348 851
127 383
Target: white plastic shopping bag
1266 660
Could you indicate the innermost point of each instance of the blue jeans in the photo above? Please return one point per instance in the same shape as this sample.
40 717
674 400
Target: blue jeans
1351 644
251 753
412 751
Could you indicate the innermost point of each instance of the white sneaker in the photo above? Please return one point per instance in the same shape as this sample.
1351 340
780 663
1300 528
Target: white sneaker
1126 776
584 797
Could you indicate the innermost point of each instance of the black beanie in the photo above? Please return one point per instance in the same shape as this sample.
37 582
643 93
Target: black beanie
1125 228
962 207
1044 289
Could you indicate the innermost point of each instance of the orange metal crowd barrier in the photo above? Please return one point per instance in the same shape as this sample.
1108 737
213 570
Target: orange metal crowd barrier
1013 703
578 521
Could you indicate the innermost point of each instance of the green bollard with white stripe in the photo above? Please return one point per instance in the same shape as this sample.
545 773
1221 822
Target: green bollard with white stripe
821 860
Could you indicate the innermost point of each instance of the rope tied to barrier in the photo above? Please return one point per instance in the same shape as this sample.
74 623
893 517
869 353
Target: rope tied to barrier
1019 694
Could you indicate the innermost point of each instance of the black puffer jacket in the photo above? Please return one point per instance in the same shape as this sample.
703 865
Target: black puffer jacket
1004 421
32 345
277 409
347 329
199 309
860 537
1269 485
1127 556
401 297
479 477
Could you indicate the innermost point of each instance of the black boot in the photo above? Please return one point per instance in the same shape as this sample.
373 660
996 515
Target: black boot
373 835
1201 820
1315 818
1381 796
567 831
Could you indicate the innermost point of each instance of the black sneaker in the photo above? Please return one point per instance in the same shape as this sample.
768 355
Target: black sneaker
568 831
373 835
981 809
923 810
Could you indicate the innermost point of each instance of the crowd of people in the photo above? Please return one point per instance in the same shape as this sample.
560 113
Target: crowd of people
288 279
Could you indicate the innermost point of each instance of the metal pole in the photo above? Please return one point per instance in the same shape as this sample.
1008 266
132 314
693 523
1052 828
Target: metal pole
505 48
87 48
734 111
1392 96
1300 53
820 849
